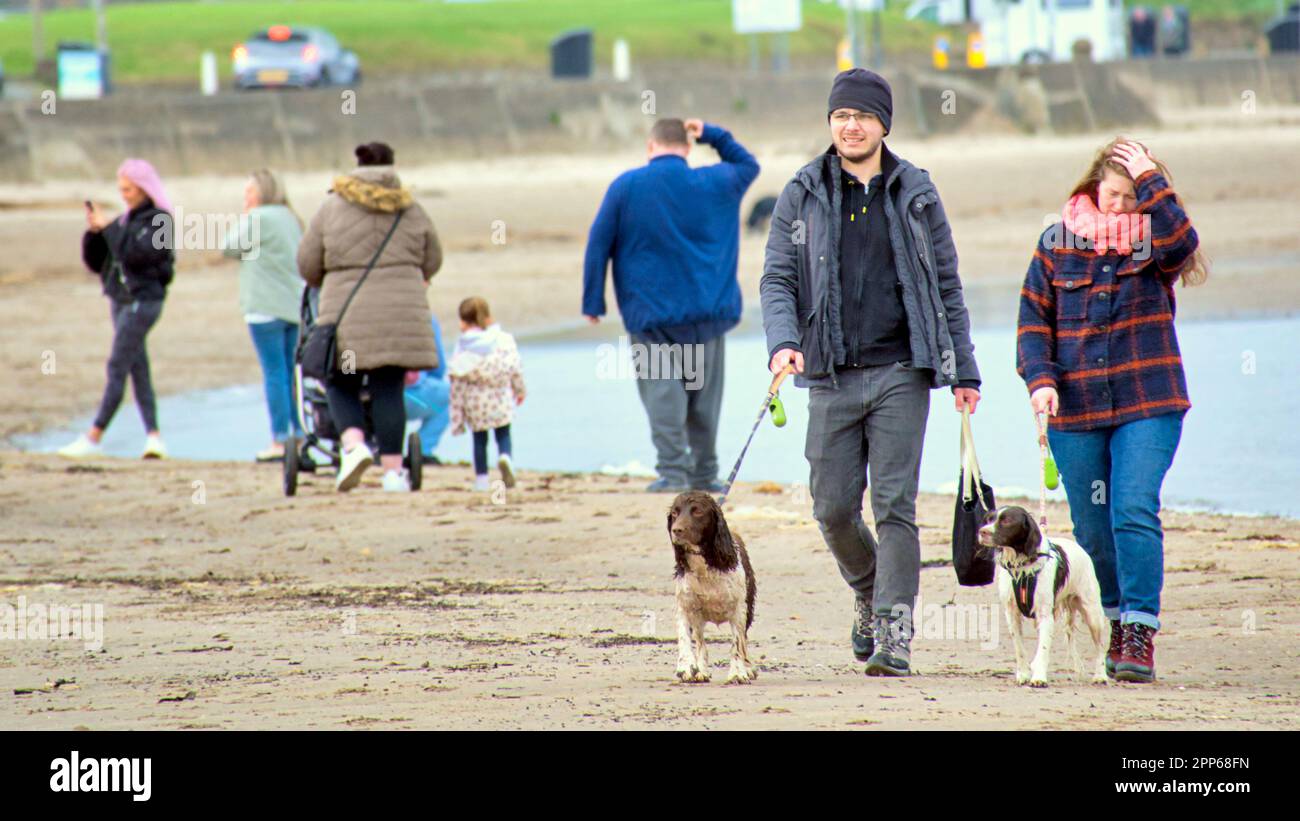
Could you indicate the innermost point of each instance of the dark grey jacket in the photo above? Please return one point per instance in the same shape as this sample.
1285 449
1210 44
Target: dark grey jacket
800 288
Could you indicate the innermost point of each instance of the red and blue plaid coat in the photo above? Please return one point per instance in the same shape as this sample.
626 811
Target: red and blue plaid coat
1100 327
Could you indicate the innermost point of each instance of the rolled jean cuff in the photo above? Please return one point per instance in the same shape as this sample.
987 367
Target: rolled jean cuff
1138 617
1111 613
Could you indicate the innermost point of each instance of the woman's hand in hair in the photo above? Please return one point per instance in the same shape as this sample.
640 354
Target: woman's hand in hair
1135 158
1045 400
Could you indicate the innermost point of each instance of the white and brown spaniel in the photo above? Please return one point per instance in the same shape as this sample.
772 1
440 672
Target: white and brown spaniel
1045 583
715 583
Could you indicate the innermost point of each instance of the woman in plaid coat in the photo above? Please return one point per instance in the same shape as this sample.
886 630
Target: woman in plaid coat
1097 350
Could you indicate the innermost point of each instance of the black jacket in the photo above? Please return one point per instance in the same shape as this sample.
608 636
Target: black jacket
143 249
800 287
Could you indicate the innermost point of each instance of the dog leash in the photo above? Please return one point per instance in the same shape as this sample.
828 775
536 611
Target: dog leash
767 402
1042 472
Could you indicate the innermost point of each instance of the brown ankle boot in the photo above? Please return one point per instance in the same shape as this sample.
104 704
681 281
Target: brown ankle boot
1116 651
1138 664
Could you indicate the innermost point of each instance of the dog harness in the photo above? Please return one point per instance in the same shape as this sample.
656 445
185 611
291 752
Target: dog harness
1024 581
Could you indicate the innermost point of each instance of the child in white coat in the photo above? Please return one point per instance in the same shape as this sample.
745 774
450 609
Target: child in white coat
487 382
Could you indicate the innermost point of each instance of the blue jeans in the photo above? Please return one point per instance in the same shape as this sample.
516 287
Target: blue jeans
1112 478
429 402
275 342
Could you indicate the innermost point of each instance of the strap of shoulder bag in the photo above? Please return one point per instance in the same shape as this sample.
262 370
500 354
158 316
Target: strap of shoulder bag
369 267
971 476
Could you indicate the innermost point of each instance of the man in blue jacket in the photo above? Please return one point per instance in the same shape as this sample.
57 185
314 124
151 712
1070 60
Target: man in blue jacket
673 233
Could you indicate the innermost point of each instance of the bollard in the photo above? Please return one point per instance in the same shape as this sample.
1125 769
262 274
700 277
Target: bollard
208 73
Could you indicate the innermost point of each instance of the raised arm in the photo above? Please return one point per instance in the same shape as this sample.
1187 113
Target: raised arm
1173 239
738 164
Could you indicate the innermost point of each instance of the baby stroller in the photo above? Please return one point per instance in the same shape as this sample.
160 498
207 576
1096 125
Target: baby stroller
314 418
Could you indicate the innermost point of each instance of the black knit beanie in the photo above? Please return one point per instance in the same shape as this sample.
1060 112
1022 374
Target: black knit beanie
374 154
862 90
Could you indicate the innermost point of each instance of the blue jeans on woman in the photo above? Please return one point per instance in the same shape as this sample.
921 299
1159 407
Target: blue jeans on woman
275 342
1112 477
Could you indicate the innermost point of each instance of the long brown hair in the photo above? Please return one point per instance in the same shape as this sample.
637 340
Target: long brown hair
474 311
1197 268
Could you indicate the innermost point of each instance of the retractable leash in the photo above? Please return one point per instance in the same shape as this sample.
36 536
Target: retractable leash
767 403
1047 473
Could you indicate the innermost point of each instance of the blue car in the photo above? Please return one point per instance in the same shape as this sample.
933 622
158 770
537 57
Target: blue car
296 56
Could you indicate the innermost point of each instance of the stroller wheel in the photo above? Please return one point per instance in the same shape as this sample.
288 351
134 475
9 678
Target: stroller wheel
414 460
291 466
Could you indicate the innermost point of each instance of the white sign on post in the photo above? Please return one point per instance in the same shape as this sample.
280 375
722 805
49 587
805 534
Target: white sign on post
766 16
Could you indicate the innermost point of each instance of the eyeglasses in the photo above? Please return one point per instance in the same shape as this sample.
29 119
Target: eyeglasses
843 117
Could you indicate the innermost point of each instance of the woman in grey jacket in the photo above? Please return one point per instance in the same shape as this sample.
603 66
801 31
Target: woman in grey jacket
270 295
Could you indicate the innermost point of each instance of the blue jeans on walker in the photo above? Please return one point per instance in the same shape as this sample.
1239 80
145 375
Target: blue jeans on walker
1112 477
275 342
429 402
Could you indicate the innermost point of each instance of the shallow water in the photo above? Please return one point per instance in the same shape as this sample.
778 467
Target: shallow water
1240 450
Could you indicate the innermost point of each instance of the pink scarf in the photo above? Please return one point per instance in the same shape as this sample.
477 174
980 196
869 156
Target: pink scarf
143 175
1118 231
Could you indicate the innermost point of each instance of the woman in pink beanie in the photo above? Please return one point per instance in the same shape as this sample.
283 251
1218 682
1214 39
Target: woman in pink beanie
133 257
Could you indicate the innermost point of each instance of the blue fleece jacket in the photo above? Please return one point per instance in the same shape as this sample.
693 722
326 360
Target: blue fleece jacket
673 232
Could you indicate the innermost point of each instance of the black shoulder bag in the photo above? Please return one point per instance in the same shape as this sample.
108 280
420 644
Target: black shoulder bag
318 352
975 501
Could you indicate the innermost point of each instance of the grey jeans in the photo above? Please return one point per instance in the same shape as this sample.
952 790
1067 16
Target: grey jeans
681 390
883 410
129 358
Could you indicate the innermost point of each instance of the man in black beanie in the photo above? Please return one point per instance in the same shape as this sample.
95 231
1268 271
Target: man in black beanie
861 296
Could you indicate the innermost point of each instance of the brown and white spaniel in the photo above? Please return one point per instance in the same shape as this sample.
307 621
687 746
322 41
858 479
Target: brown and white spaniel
1045 583
715 583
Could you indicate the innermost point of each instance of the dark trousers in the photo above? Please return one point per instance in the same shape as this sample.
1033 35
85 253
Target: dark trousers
129 357
387 411
682 394
481 446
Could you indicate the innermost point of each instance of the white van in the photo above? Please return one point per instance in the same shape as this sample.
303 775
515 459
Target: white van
1026 31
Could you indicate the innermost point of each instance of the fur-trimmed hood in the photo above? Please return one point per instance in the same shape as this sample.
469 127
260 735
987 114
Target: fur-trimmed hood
374 187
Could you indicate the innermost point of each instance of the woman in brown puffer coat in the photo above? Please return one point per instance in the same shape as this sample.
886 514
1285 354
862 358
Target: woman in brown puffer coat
386 330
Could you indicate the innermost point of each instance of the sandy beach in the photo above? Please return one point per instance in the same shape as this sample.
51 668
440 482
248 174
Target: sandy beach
227 605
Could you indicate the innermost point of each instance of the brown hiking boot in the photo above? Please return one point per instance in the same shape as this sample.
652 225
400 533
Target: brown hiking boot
1116 651
1138 663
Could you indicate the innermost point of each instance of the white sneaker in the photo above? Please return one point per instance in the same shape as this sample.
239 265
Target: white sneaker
154 447
354 463
481 482
507 470
81 447
395 481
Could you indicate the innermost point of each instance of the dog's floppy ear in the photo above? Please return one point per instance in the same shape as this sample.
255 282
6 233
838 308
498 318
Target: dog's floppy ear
1033 536
718 547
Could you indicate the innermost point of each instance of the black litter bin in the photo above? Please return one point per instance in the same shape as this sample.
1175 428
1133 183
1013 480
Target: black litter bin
1284 32
571 54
